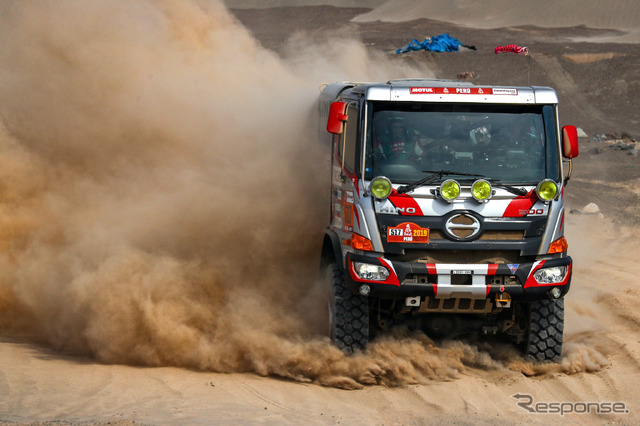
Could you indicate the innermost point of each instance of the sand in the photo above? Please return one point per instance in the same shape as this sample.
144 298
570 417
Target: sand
621 15
624 14
138 284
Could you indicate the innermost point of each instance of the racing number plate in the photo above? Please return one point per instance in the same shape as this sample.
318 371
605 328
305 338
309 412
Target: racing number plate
407 232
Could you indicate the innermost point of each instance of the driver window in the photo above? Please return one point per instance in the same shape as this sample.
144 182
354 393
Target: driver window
349 139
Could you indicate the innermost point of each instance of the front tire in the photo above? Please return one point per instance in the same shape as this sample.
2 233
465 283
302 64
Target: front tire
545 331
348 313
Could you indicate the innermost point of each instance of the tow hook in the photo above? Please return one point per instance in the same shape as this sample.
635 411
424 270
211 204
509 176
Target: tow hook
503 300
489 329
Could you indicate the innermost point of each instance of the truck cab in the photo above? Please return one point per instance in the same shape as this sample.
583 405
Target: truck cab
447 211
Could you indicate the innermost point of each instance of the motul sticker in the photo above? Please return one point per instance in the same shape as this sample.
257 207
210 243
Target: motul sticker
419 90
407 232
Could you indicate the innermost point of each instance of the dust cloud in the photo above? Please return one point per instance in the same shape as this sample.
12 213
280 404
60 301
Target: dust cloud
162 198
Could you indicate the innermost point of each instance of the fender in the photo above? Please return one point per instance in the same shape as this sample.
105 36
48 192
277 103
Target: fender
331 251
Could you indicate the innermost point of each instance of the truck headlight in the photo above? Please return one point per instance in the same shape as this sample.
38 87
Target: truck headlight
367 271
551 275
380 187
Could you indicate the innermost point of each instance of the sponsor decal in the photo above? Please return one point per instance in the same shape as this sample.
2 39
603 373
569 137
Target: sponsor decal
337 222
407 232
505 91
348 214
460 91
349 196
419 90
335 176
343 210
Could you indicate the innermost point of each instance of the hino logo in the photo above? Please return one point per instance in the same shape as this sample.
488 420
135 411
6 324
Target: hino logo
397 210
462 226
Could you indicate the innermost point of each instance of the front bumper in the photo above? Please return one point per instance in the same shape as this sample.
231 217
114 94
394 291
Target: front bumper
445 281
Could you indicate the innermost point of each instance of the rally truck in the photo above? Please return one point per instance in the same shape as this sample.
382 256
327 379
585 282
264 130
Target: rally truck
447 212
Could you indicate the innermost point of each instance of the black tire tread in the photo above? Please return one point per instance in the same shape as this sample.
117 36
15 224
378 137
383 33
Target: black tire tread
546 328
351 322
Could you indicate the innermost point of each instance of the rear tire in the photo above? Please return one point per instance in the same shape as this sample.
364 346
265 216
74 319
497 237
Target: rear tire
348 313
545 331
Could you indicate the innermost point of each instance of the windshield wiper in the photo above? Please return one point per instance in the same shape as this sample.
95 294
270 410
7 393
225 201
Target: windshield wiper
434 176
512 189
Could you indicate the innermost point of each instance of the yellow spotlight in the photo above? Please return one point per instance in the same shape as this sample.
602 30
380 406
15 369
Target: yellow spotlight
547 190
481 190
450 190
380 187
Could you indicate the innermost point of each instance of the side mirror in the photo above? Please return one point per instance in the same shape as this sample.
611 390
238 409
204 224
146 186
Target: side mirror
570 142
337 118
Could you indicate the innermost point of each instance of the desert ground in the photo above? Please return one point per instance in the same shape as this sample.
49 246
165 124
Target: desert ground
151 154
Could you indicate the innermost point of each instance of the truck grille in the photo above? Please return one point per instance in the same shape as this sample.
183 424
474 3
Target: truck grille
435 235
462 279
471 306
459 256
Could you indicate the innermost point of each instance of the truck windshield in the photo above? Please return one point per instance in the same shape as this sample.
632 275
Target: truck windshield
507 143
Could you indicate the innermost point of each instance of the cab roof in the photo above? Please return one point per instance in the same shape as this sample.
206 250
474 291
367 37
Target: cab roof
433 90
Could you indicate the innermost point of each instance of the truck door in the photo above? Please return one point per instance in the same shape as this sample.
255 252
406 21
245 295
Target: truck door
344 171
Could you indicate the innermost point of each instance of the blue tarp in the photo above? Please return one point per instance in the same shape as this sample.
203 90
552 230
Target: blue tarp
440 43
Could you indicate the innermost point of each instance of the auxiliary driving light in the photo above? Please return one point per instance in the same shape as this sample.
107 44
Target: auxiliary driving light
555 293
380 187
551 275
367 271
450 190
547 190
481 190
364 290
